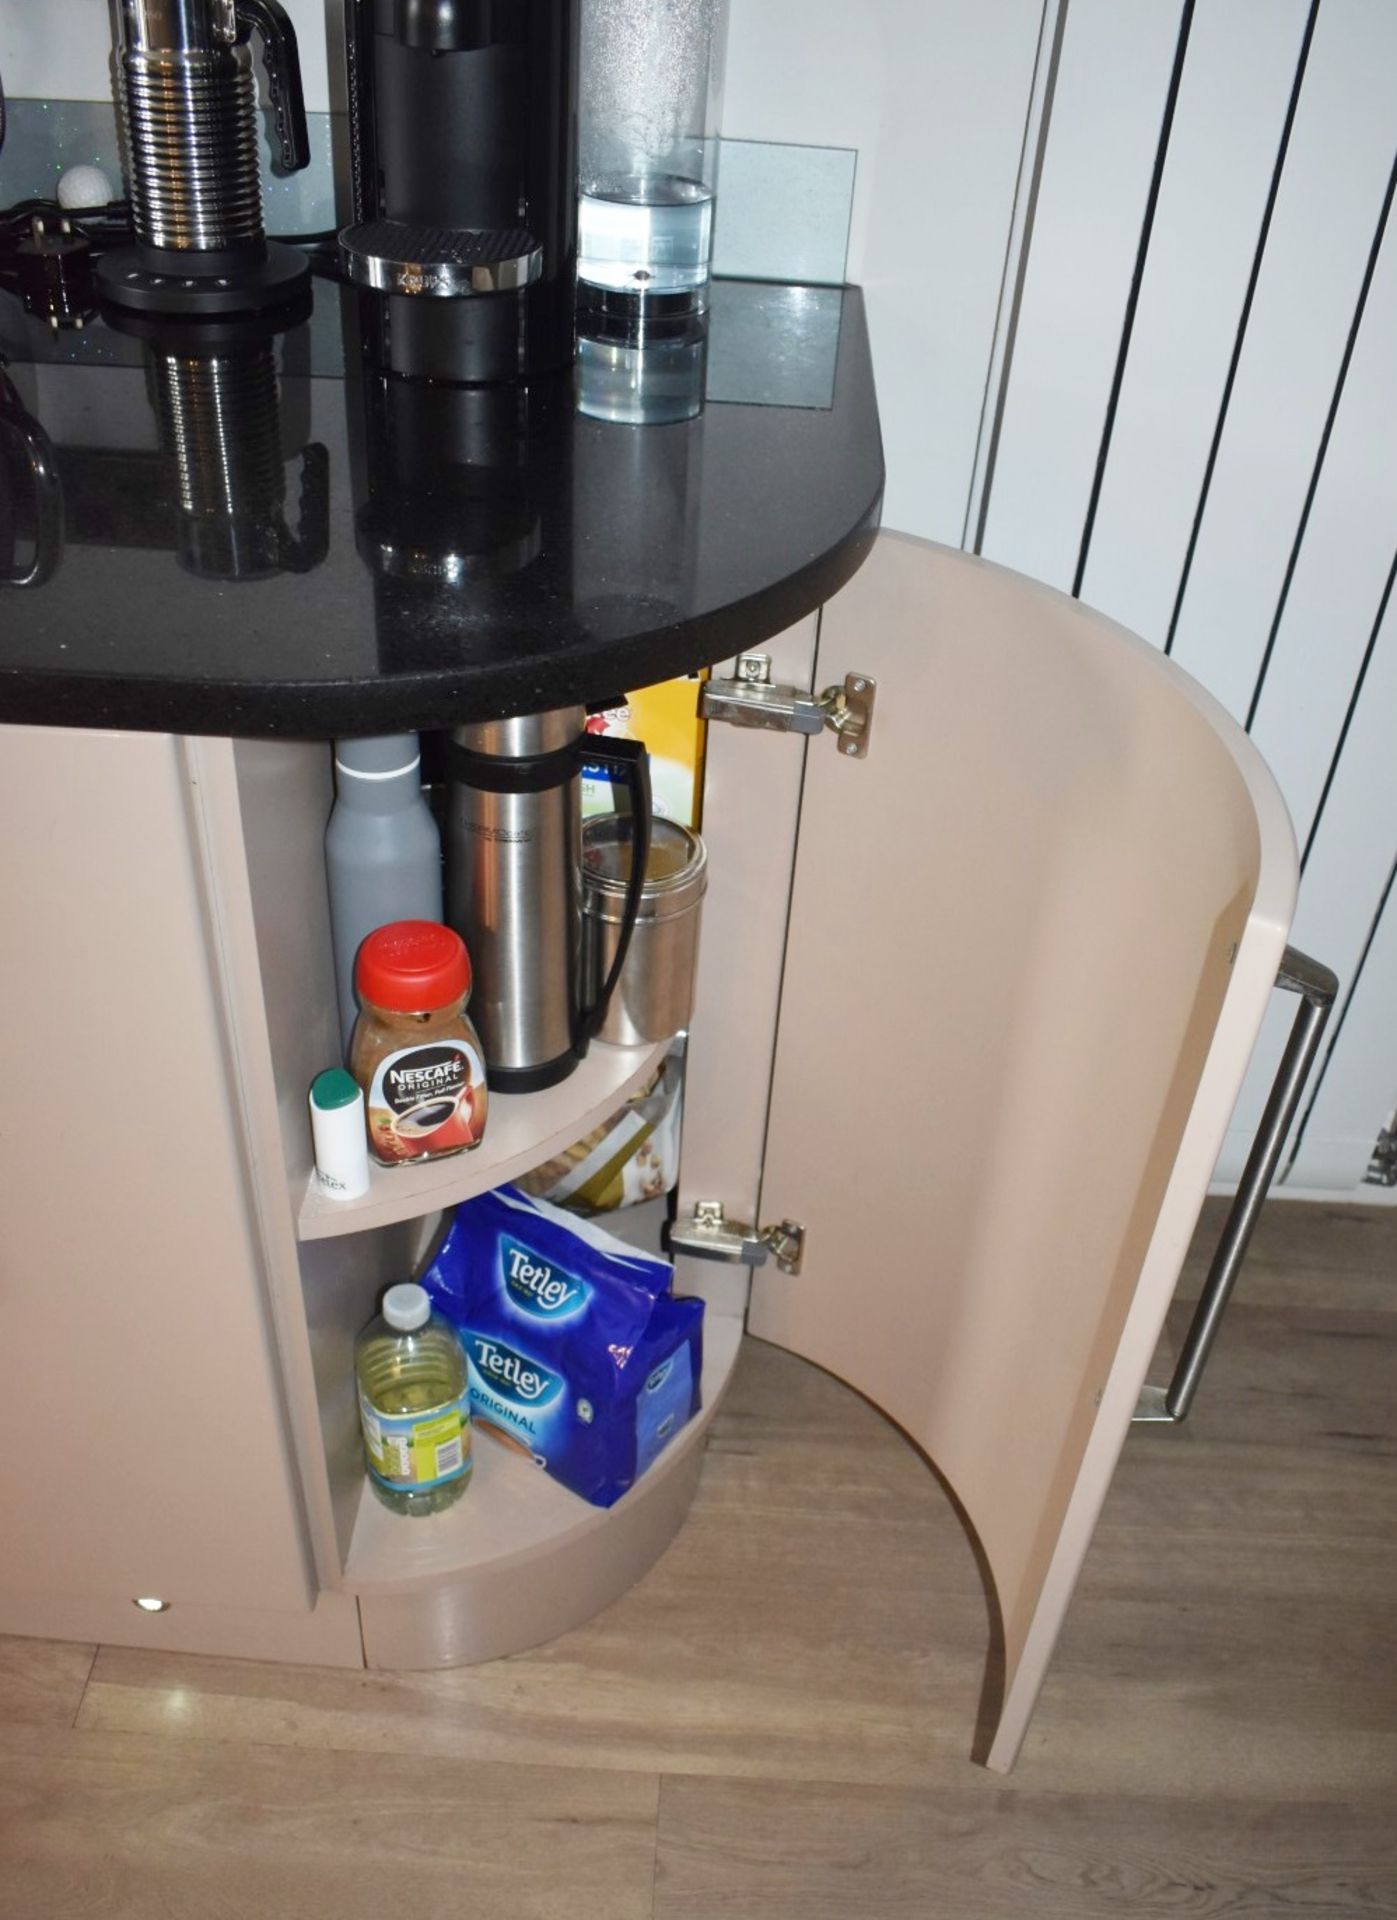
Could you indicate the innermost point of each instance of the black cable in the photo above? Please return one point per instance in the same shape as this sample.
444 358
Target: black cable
326 266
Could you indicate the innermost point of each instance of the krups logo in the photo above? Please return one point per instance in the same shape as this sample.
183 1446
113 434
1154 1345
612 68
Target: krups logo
514 1376
538 1288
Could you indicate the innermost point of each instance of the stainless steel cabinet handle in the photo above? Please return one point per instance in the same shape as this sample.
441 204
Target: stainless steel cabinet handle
48 491
1317 988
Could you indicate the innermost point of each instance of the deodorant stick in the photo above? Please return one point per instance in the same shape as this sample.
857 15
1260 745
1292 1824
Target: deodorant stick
337 1129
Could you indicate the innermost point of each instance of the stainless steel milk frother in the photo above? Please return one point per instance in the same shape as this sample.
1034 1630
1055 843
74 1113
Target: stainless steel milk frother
513 887
186 99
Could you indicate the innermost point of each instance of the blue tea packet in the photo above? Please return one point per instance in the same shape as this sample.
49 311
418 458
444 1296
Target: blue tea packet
576 1351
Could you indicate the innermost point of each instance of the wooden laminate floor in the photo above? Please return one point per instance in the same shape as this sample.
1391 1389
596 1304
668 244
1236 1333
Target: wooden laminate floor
774 1725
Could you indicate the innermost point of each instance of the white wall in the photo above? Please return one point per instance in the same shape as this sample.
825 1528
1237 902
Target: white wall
933 94
57 49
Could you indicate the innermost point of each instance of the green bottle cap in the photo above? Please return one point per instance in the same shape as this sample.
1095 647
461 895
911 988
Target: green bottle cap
333 1088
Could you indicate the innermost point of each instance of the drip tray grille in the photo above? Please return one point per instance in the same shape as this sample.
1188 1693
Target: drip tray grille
397 256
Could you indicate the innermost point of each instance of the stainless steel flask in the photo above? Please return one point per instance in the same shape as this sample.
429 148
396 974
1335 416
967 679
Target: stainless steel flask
513 886
186 101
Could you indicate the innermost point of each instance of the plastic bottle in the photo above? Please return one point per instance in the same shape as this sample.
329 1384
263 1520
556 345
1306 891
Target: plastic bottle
382 851
413 1405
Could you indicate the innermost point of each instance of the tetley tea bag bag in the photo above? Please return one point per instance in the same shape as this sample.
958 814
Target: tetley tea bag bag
577 1352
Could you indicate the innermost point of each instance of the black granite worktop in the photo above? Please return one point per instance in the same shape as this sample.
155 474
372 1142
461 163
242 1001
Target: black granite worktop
266 537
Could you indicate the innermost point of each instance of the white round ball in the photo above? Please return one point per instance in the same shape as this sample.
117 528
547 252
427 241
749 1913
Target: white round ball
84 187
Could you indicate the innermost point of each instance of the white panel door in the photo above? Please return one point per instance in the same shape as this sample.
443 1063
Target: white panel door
1326 722
1246 506
1349 869
1235 91
1326 712
1342 568
1331 196
1358 1092
1112 84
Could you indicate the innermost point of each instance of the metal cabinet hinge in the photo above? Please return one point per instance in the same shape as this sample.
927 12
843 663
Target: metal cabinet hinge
708 1234
750 699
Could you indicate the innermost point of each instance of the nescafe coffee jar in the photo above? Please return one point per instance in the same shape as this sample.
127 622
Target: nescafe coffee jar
414 1052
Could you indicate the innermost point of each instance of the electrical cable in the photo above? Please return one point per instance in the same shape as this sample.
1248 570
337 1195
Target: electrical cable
321 250
110 224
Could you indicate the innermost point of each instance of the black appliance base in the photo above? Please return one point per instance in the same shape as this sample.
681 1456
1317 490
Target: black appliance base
532 1079
271 282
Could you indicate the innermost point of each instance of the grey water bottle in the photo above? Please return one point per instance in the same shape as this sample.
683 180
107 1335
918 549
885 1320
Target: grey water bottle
382 851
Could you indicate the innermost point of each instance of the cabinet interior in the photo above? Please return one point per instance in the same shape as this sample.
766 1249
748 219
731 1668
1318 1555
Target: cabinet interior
284 794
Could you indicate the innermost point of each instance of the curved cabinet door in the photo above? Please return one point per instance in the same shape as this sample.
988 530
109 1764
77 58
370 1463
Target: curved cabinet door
1031 939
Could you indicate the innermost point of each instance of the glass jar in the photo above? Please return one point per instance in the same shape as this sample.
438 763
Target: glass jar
650 97
414 1051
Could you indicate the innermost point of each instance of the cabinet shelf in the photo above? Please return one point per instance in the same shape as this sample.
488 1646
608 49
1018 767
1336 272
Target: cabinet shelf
513 1515
523 1129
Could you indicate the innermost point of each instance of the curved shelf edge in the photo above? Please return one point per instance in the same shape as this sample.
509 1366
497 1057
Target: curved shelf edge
521 1560
522 1130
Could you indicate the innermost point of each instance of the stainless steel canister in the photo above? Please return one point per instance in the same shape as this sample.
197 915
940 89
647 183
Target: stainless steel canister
655 996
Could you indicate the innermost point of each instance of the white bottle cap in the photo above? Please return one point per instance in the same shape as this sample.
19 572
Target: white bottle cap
337 1129
406 1307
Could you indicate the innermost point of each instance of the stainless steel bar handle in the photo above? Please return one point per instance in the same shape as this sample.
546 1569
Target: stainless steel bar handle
48 490
1317 987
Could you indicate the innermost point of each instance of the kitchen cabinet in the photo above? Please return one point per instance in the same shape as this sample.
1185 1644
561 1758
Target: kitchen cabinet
972 1010
218 540
973 1005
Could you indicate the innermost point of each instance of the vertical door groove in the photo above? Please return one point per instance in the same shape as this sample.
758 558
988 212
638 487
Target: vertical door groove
1340 381
1342 740
1243 320
1037 121
1171 101
1340 1018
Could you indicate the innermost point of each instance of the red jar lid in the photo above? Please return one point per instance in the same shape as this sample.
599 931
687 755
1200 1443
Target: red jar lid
412 966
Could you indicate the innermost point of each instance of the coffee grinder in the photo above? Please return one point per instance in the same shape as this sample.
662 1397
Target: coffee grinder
463 129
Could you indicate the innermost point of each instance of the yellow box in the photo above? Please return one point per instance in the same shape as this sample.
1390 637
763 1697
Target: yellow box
666 718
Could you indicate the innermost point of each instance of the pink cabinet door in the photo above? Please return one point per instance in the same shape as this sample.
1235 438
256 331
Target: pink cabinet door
1031 938
144 1388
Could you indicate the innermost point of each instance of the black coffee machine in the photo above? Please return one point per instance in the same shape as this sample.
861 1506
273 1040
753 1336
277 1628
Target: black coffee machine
463 124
